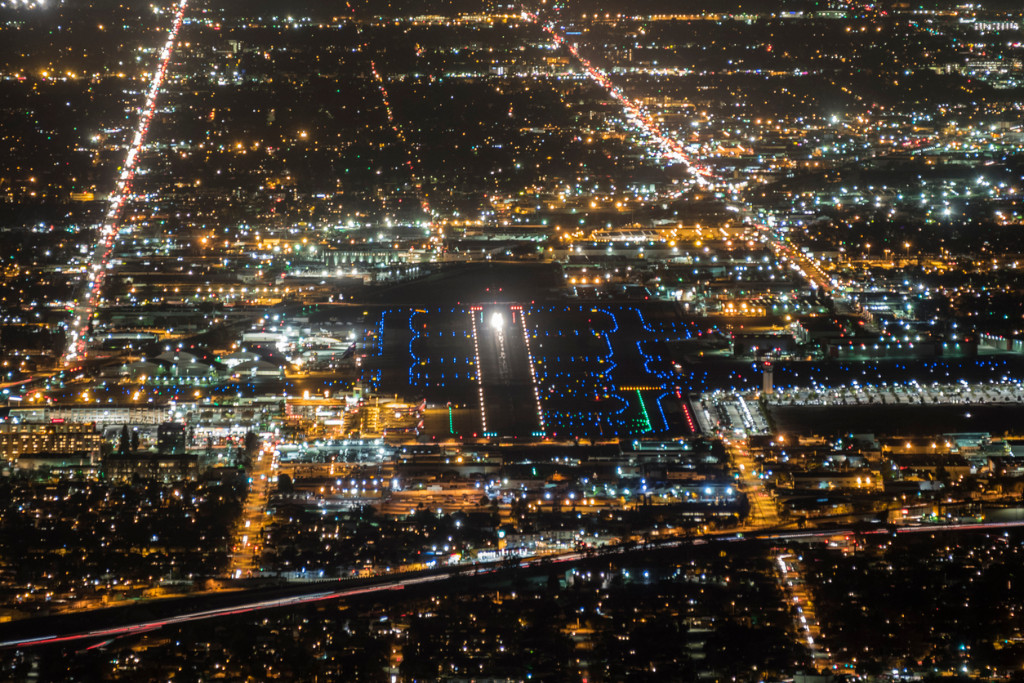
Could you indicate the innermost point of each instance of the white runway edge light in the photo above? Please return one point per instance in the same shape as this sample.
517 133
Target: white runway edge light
479 371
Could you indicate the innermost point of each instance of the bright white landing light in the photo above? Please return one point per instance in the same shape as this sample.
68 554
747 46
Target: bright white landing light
497 320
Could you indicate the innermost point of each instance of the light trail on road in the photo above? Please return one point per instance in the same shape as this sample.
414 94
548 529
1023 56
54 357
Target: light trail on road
260 605
636 114
320 592
671 148
98 259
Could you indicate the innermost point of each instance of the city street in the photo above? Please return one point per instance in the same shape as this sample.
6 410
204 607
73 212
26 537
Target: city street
763 511
247 540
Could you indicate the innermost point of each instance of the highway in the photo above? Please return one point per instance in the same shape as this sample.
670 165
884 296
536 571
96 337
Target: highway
672 149
638 117
26 633
96 265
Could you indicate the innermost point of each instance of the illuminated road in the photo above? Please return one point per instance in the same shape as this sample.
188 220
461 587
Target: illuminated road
317 593
96 264
248 602
637 115
671 148
411 163
763 511
248 536
805 618
806 266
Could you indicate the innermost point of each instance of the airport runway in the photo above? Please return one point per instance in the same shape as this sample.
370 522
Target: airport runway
509 403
